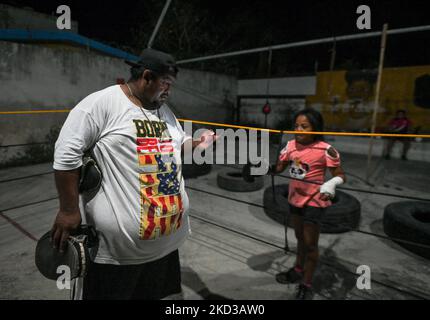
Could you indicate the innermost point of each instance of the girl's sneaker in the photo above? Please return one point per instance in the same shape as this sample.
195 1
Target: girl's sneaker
290 276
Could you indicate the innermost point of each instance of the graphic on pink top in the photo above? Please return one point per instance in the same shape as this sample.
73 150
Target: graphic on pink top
307 162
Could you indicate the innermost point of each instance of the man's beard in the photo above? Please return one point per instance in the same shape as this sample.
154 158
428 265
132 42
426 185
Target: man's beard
161 99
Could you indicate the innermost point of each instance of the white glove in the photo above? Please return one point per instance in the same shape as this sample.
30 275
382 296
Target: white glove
329 187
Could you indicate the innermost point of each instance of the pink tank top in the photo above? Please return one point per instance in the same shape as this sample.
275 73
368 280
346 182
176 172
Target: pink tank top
307 162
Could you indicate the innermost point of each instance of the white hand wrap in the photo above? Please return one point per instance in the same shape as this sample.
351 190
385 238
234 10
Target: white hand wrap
329 187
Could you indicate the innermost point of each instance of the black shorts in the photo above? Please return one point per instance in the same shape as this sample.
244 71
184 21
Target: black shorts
154 280
309 214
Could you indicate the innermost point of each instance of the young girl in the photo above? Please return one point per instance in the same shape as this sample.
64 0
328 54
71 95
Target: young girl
308 157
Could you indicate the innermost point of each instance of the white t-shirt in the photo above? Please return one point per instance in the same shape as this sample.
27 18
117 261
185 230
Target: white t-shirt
140 209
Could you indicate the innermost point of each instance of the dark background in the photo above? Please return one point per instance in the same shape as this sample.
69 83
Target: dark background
194 28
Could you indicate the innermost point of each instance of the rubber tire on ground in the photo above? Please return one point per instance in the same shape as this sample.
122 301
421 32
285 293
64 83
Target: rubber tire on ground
342 216
195 170
409 220
233 181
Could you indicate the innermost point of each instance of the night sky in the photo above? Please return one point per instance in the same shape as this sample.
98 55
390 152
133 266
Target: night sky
299 19
223 26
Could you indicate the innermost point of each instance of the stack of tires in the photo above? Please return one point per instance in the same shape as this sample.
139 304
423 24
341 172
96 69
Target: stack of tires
342 216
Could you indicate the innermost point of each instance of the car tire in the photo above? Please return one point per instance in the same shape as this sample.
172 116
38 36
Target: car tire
233 181
410 221
342 216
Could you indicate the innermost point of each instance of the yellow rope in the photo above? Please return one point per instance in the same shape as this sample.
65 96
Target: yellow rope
313 132
349 134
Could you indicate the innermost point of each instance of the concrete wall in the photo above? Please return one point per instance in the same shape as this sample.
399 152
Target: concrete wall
204 96
34 77
280 86
19 18
38 77
419 150
282 108
251 112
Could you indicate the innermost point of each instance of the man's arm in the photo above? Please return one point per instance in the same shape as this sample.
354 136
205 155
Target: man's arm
69 216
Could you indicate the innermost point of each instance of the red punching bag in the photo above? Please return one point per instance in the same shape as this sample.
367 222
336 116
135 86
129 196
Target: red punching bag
266 108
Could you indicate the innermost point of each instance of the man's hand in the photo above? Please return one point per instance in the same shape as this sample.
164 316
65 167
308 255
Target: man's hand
65 223
207 139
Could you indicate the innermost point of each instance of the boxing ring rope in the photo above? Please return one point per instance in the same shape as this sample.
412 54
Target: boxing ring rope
245 202
26 177
323 261
343 188
239 201
247 128
24 144
261 206
278 175
349 134
217 124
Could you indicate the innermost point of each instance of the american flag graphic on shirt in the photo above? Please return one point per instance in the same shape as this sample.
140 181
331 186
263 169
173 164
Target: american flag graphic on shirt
161 202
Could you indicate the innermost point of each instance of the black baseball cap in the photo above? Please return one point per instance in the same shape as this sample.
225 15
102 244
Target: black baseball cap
160 62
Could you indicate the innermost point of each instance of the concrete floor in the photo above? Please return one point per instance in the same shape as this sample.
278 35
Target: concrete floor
221 264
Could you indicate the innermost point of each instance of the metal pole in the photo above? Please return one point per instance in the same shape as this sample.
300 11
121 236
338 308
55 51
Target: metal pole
307 43
238 105
378 90
160 20
284 214
269 71
333 55
332 62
